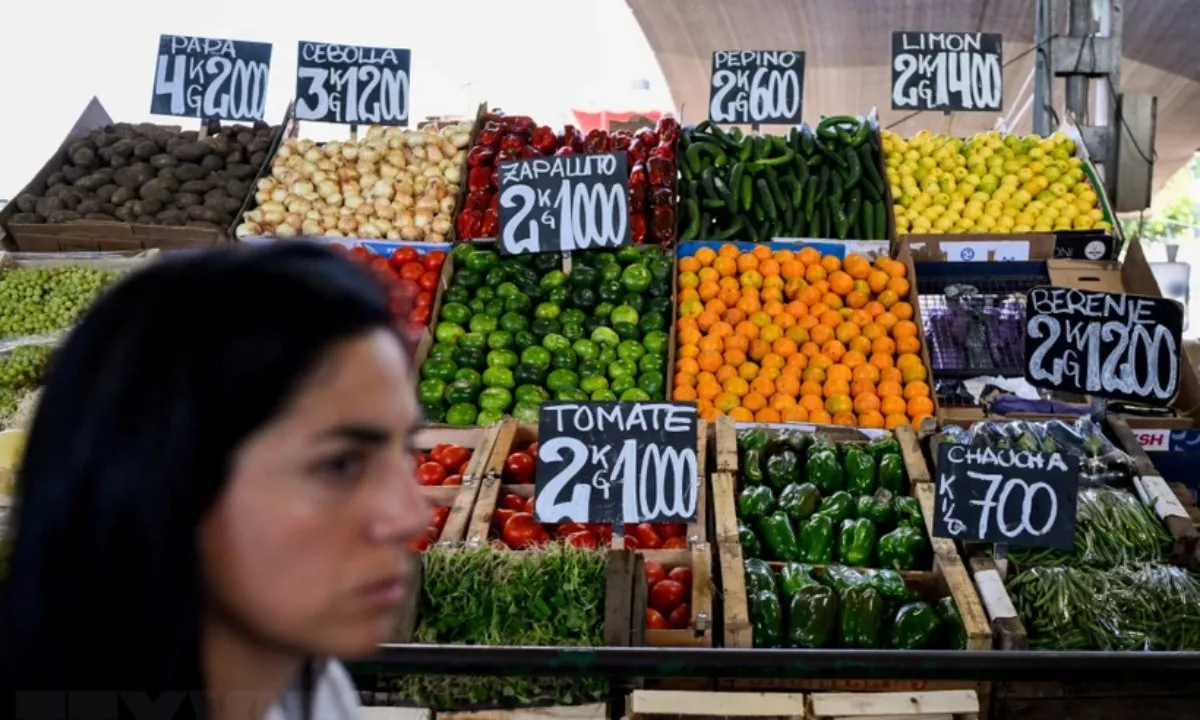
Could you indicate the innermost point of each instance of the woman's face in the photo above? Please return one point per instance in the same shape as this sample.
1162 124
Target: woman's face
306 548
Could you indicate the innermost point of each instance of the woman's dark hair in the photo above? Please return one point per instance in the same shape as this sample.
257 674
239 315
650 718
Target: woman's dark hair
142 411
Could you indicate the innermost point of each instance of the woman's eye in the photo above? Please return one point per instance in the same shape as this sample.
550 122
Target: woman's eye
343 466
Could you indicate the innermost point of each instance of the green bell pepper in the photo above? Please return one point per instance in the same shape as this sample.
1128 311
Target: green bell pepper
799 501
856 543
783 468
908 512
820 443
824 471
837 506
881 446
842 578
755 501
793 576
817 540
891 473
916 627
889 584
766 619
860 471
754 439
877 508
751 548
861 617
898 549
812 614
779 537
752 471
758 576
956 631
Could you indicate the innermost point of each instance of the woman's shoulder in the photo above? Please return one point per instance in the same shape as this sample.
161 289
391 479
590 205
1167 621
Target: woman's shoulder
333 697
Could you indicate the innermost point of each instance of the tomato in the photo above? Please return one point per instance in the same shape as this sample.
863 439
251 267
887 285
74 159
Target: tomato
419 458
462 469
604 532
423 299
529 504
431 473
435 453
380 267
655 620
646 536
519 468
583 539
522 532
412 271
666 595
403 256
400 306
453 456
654 572
361 253
427 538
501 516
681 575
532 449
418 317
428 281
676 543
454 479
439 516
680 618
570 528
631 543
433 260
516 503
407 288
670 530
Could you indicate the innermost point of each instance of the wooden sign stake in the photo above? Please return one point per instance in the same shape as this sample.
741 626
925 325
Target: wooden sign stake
353 132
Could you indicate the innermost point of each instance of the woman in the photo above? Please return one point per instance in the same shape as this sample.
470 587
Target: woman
217 494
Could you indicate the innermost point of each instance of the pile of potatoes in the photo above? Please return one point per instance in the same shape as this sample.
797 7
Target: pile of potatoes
152 175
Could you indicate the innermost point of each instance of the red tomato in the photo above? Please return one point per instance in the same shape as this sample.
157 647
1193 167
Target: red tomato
423 299
532 449
361 253
407 288
427 538
501 516
681 575
680 618
529 504
462 469
655 620
435 454
675 543
670 530
433 260
516 503
631 543
403 256
454 456
654 572
519 468
570 528
412 271
582 539
666 595
604 532
419 458
431 473
379 265
454 479
428 281
439 516
522 532
646 536
418 316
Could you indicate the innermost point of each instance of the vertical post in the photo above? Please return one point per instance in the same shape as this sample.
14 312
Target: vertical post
1042 85
1081 25
353 132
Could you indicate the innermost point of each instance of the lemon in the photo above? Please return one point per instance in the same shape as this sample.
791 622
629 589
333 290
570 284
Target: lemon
943 223
931 213
1102 225
1025 175
1096 214
921 224
1022 228
1083 222
901 223
1026 219
965 223
986 222
1005 223
1042 227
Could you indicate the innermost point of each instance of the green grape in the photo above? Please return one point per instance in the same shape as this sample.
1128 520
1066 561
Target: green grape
40 301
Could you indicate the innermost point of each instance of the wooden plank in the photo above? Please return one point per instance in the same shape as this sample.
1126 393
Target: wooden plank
619 580
698 559
846 705
716 704
724 487
639 599
489 485
730 568
958 581
914 459
698 530
395 713
727 455
598 711
1008 632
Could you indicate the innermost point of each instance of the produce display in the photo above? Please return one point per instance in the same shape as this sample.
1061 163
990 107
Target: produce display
444 465
395 183
515 331
43 300
801 606
777 334
668 594
650 154
20 375
438 514
989 183
822 184
411 278
153 175
801 498
549 596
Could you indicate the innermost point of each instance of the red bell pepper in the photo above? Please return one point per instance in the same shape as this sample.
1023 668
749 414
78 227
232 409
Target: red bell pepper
662 172
572 138
637 228
544 140
662 224
636 153
519 124
662 196
648 137
668 130
479 179
491 223
619 140
489 135
481 156
530 151
564 151
468 224
665 151
478 199
511 145
596 142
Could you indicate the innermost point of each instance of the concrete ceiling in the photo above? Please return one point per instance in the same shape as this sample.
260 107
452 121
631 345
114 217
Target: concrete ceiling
848 46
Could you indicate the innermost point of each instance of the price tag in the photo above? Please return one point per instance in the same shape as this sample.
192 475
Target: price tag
607 462
211 78
1084 245
565 203
1013 497
352 84
756 87
947 71
1109 345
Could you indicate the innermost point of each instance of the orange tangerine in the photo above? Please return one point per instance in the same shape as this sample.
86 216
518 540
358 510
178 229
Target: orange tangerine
856 265
746 262
767 415
708 275
785 254
751 279
860 344
856 299
763 386
890 373
725 373
708 391
710 360
690 308
904 328
810 296
913 373
725 266
920 406
845 418
831 263
820 417
794 414
770 293
733 316
834 349
787 385
771 333
917 388
838 371
867 372
785 321
684 393
773 361
784 347
779 401
748 304
813 381
759 349
709 343
834 388
896 269
797 334
747 370
791 269
811 402
720 329
798 360
760 318
705 256
878 280
891 422
862 387
809 256
841 283
847 331
903 310
730 295
907 359
821 334
874 307
687 365
832 318
687 351
814 273
746 329
734 341
716 305
899 286
917 420
689 336
706 319
866 403
908 346
822 361
736 386
772 307
873 331
741 414
754 401
734 358
838 403
893 405
888 388
711 415
769 373
888 298
884 346
729 250
887 319
870 419
725 402
768 267
810 349
689 264
853 358
762 252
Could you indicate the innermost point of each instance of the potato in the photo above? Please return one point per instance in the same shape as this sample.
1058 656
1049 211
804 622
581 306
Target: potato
147 207
227 206
104 217
156 189
206 214
258 159
48 205
84 157
241 172
190 171
55 178
91 205
236 155
89 183
199 187
118 162
205 225
172 217
26 202
187 199
102 138
163 160
105 193
220 145
237 189
71 173
191 152
122 196
212 163
123 148
145 149
26 218
145 220
70 198
125 212
61 216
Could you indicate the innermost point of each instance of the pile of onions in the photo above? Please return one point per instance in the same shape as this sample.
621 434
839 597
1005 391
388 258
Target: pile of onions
394 184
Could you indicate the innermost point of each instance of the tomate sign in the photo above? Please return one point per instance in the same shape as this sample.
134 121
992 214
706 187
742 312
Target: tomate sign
609 462
947 71
1110 345
352 84
756 87
211 78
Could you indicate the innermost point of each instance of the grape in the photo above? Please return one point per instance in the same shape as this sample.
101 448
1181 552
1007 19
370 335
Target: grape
40 301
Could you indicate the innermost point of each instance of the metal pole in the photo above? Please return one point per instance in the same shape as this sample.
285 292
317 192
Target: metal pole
1041 69
1081 25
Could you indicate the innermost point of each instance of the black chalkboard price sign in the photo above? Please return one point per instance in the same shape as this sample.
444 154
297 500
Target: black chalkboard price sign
951 71
1008 496
1108 345
564 203
352 84
211 78
756 87
608 462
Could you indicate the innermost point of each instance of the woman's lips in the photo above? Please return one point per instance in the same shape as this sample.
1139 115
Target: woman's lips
389 591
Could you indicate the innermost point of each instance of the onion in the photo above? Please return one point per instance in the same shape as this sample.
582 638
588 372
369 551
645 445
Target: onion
347 225
254 216
382 226
422 218
325 188
333 233
353 201
440 225
311 227
295 220
304 146
453 174
412 233
460 140
285 231
350 151
314 155
433 153
428 203
369 231
393 234
435 237
404 219
446 205
404 202
247 228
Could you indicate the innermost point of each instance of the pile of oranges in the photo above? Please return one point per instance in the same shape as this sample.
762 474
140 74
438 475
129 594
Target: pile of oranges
779 335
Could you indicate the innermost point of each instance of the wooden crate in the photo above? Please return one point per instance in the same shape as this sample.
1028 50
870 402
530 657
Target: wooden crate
697 556
931 705
594 711
460 499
